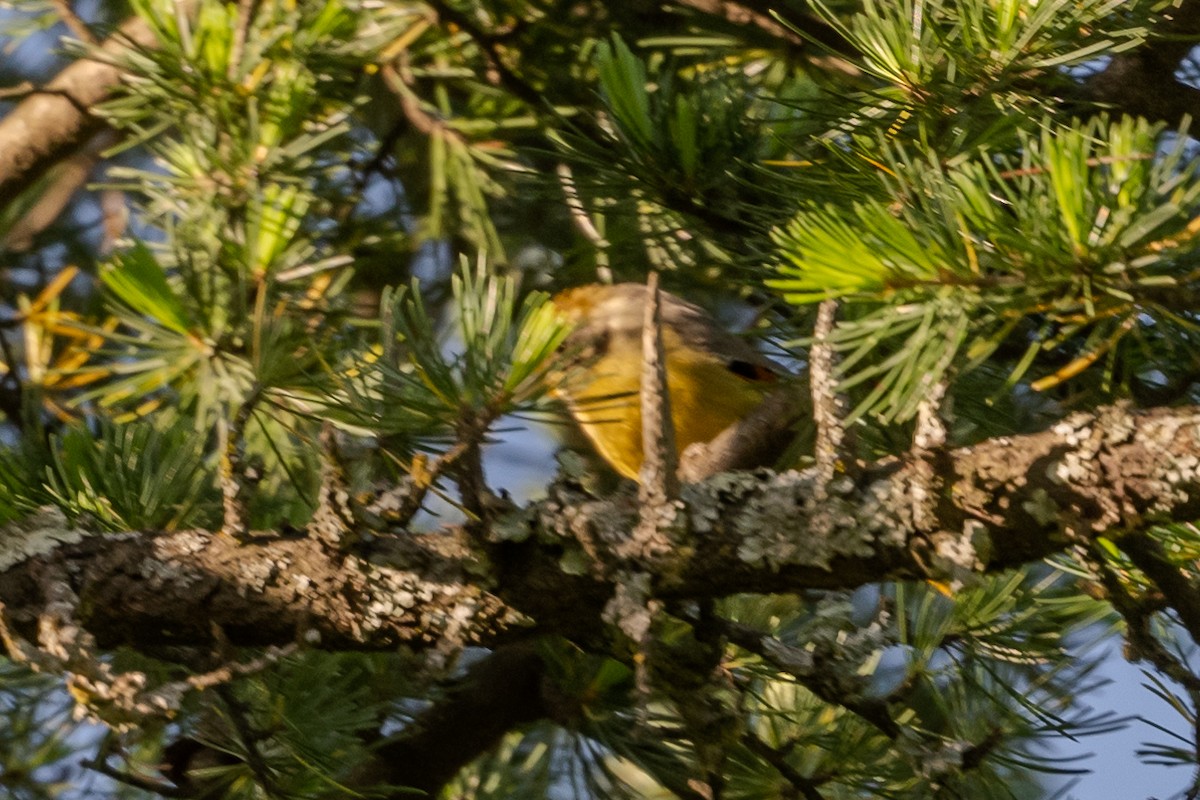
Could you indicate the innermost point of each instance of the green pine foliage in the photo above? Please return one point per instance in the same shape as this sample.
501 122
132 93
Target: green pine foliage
354 213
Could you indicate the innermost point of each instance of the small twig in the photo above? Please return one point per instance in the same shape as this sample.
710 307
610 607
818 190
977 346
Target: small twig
73 22
333 522
399 507
929 438
20 91
231 472
579 213
806 787
658 479
64 181
802 665
1137 625
26 89
129 779
224 674
1182 595
399 81
659 511
756 440
473 490
829 410
122 700
114 220
583 221
828 405
245 14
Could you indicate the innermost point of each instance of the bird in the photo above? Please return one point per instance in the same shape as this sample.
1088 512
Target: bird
713 377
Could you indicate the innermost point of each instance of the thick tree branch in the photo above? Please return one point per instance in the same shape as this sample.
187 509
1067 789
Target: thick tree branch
1004 502
1181 593
499 693
147 590
1142 82
52 122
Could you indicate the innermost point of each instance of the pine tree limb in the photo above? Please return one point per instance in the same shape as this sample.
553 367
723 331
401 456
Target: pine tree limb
499 693
1006 501
1141 81
51 123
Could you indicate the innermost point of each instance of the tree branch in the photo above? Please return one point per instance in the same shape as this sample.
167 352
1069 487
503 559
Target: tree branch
1142 82
499 693
1005 501
76 25
52 122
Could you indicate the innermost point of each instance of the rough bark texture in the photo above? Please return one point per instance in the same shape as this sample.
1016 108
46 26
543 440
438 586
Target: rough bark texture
556 567
148 589
552 566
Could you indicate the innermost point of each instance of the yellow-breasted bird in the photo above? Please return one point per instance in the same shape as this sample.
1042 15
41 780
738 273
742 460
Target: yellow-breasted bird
713 377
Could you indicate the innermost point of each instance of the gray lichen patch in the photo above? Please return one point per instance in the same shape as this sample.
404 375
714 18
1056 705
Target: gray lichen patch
171 559
775 521
408 606
38 534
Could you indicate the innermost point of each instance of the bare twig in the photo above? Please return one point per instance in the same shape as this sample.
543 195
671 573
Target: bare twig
121 700
77 26
583 221
21 90
334 521
1181 593
659 510
658 479
398 80
468 469
245 16
232 473
830 685
579 213
828 405
929 438
756 440
136 781
68 177
805 786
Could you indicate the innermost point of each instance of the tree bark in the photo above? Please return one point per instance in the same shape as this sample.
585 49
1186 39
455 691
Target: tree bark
57 118
552 567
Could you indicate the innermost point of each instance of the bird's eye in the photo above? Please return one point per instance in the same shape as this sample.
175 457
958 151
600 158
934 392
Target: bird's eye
751 372
584 346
